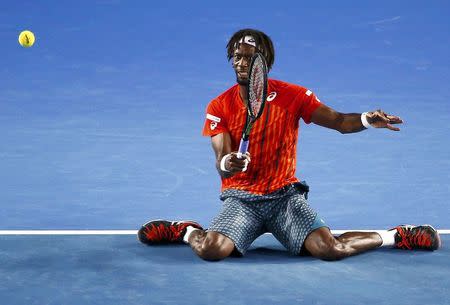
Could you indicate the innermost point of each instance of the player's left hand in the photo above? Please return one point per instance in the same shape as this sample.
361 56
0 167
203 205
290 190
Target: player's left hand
380 119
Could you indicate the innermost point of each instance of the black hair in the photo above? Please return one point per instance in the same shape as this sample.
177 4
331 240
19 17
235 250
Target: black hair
263 42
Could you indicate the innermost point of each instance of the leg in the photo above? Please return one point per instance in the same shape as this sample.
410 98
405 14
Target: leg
299 229
211 246
322 244
235 228
291 220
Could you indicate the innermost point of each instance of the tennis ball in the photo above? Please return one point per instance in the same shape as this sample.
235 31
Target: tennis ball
26 39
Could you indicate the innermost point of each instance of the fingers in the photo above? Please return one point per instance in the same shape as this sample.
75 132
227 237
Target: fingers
235 164
390 127
378 116
394 119
380 119
245 156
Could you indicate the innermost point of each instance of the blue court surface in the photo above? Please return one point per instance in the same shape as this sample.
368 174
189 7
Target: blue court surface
101 130
115 270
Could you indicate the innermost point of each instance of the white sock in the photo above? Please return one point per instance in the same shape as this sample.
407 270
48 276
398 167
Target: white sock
388 238
189 230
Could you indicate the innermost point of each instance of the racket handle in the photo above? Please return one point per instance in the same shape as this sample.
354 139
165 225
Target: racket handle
243 146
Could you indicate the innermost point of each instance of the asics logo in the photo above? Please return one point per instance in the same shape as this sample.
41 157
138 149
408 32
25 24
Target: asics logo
271 96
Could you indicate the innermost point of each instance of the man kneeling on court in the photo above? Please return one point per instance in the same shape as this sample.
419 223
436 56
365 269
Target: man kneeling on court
261 194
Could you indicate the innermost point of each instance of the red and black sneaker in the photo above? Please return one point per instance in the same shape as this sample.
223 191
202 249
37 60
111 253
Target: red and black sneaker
423 237
164 232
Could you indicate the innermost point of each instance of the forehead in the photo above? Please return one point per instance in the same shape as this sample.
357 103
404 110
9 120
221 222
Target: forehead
245 49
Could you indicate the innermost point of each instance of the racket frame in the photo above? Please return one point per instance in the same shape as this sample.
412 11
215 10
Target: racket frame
251 117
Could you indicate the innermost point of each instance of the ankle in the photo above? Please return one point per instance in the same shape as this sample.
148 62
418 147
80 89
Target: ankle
388 238
189 231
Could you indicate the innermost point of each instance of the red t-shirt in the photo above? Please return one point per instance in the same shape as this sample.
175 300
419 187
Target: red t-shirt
273 139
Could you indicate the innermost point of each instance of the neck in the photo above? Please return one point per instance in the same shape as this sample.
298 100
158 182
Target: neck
243 93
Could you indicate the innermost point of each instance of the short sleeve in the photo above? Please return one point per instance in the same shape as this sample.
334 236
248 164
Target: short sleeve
307 102
215 122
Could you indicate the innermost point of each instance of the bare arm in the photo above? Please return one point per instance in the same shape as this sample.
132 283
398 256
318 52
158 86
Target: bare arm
221 144
351 122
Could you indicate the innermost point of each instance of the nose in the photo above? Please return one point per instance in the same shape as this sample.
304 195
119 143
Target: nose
243 61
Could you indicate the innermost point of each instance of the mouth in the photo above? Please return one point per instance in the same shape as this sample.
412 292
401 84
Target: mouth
242 74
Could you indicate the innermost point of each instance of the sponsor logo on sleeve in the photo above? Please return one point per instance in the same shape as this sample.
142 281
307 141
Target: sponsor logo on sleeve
308 93
213 125
271 96
212 118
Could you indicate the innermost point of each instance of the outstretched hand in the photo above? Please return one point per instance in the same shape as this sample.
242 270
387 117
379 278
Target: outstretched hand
380 119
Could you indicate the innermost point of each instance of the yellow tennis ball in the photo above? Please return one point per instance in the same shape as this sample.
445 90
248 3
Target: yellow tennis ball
26 39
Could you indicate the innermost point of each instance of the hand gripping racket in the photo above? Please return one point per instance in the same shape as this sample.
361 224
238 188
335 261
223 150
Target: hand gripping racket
256 97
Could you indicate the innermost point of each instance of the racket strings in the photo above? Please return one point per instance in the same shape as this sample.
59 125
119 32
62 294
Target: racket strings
256 79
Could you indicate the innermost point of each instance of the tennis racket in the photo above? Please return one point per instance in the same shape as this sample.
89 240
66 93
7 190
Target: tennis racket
256 98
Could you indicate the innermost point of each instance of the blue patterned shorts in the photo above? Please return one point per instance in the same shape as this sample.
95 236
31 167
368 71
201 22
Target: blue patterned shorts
285 213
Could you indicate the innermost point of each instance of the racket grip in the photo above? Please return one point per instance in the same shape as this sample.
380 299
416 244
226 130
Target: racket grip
243 146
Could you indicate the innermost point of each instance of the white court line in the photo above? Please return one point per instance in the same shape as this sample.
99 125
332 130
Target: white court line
131 232
444 231
68 232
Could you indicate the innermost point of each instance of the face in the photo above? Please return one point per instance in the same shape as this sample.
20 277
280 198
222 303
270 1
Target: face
242 57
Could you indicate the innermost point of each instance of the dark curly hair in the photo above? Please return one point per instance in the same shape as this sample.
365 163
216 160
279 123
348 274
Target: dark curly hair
263 43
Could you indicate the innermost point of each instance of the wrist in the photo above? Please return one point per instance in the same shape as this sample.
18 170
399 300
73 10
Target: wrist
222 163
365 121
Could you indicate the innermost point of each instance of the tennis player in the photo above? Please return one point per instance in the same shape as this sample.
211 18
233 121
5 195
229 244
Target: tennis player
260 192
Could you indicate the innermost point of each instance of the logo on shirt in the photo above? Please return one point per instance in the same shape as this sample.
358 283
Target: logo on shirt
271 96
212 118
309 92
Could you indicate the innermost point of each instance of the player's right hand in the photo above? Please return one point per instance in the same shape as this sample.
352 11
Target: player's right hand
236 165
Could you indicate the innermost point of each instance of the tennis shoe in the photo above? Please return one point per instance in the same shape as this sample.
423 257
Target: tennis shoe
164 232
423 237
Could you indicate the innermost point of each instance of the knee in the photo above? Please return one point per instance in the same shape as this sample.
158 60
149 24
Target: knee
215 248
